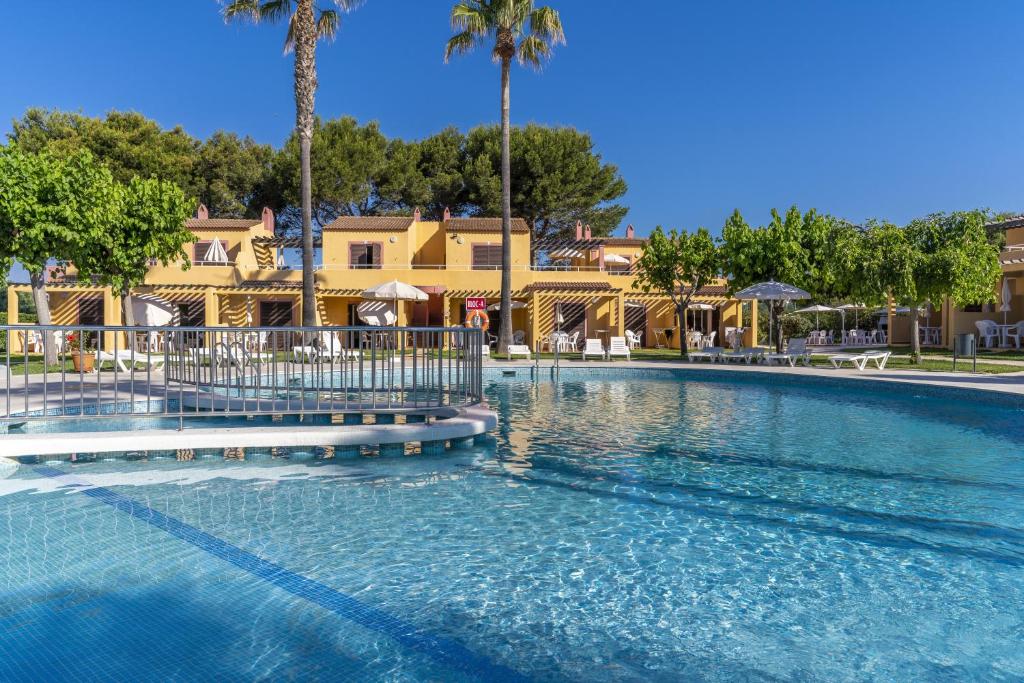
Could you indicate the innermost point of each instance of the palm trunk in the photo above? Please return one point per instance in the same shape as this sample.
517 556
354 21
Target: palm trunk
506 212
305 92
38 281
127 314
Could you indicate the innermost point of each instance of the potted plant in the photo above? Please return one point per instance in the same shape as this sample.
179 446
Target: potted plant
82 356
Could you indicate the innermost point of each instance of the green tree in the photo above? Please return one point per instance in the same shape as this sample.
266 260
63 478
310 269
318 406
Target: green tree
150 226
348 162
678 265
934 258
128 143
230 174
52 209
526 33
557 180
305 26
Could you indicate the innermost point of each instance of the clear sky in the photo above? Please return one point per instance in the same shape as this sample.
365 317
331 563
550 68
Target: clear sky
866 108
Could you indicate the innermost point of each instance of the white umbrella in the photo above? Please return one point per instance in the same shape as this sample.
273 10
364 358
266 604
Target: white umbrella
559 318
394 291
856 315
634 304
516 305
816 309
616 259
152 311
215 253
772 291
378 313
701 306
1004 299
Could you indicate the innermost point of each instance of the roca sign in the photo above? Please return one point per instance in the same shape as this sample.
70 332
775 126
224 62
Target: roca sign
476 303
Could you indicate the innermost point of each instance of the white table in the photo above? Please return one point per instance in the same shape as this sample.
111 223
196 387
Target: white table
930 335
1003 329
660 338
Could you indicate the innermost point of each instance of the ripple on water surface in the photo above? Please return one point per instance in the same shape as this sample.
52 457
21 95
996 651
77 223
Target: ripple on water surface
614 530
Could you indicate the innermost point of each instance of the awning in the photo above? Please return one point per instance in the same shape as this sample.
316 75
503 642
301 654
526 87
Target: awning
378 313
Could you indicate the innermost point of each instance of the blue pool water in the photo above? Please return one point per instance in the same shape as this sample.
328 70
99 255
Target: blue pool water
617 528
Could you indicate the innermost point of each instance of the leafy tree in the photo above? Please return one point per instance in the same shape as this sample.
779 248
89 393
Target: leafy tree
348 163
150 227
557 180
678 265
128 143
230 173
933 258
305 27
52 209
526 33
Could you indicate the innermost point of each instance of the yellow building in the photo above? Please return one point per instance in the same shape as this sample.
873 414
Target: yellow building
583 284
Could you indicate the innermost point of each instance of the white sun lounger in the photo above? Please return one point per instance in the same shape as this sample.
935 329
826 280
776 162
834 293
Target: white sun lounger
746 354
712 354
860 360
593 347
796 352
518 350
617 346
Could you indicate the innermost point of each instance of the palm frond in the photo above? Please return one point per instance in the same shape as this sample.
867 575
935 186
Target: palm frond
506 12
242 9
327 24
289 38
470 18
275 10
533 51
346 5
460 44
546 23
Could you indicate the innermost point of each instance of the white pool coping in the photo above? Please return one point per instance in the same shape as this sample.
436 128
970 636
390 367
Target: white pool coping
466 423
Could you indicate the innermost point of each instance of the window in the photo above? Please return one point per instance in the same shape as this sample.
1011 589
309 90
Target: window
192 313
364 255
90 311
275 313
486 257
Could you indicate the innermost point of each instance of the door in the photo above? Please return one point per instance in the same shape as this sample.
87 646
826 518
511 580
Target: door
275 313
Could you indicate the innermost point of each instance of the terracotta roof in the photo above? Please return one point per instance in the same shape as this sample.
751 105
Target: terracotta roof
713 290
371 223
222 223
622 242
1015 222
484 225
571 287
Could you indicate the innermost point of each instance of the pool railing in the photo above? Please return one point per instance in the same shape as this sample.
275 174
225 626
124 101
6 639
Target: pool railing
177 371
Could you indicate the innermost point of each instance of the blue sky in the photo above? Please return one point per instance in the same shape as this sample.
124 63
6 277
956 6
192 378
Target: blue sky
863 109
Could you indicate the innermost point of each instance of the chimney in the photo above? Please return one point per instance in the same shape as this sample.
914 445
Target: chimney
586 232
629 232
447 214
268 220
202 213
416 215
579 230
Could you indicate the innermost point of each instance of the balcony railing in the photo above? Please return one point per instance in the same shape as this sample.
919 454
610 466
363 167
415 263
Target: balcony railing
210 371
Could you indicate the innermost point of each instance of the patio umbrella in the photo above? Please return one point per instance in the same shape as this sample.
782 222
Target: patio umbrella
516 305
851 307
816 309
394 291
378 313
615 259
772 291
1004 299
559 318
215 253
152 311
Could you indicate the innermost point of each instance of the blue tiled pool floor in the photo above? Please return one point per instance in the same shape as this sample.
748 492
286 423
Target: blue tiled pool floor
652 530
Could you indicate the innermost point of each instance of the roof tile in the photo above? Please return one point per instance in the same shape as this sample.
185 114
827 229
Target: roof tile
484 225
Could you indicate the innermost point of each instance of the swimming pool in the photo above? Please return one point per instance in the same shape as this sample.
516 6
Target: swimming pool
619 527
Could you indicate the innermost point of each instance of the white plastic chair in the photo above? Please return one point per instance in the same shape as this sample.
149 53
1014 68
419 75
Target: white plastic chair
518 337
1015 333
570 341
987 332
633 339
709 340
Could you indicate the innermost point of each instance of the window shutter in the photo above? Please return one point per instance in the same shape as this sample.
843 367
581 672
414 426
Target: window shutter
376 255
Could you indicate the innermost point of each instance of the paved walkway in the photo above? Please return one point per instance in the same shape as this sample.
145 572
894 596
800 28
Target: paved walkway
1011 383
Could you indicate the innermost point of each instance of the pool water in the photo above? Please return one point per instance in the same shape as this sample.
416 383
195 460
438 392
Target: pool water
616 529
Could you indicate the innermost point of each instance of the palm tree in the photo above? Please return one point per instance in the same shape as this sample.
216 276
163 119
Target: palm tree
527 34
306 24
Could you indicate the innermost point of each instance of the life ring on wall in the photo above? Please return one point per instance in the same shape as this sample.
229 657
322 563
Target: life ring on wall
478 320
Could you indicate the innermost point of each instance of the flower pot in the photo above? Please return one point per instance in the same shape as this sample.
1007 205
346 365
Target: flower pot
83 362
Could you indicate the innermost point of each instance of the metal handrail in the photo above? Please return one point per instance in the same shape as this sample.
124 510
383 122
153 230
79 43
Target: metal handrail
208 371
